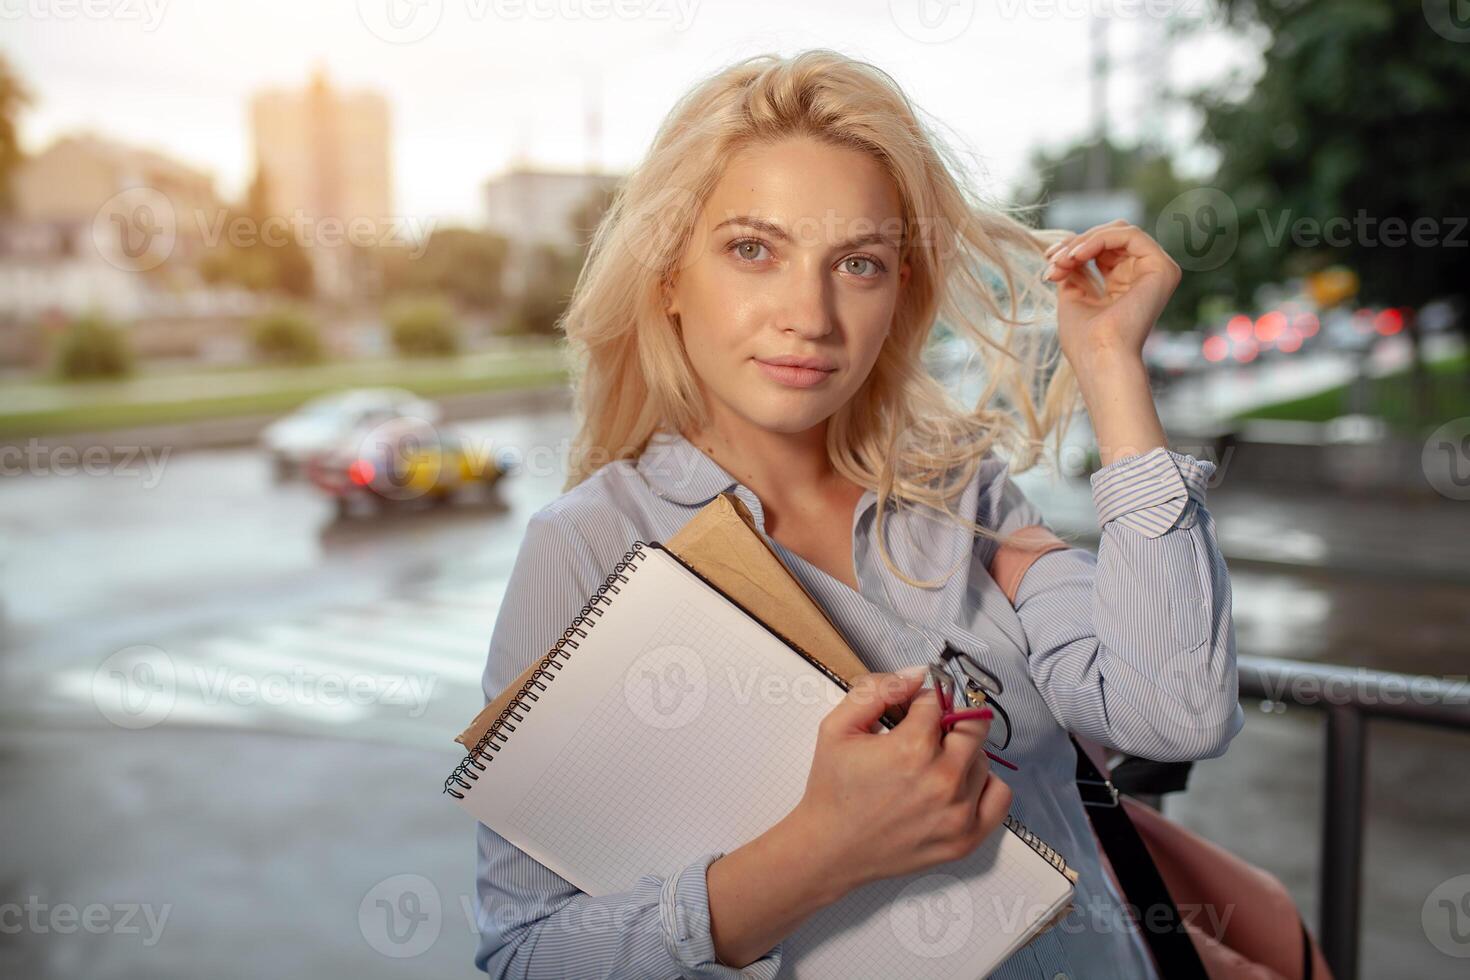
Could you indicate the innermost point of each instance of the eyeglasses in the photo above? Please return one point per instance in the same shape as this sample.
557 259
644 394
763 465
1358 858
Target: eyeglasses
943 683
979 686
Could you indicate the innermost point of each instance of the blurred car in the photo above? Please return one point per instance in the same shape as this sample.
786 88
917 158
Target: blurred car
321 424
405 461
1278 333
1169 356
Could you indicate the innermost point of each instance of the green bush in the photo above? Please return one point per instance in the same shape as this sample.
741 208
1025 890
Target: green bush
423 328
537 310
93 348
287 337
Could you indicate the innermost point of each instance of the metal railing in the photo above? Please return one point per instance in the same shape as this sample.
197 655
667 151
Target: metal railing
1349 696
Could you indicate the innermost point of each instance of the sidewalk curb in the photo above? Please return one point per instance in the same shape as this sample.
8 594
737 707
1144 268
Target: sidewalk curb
244 430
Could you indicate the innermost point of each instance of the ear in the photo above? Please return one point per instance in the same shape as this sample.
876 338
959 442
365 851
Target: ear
666 293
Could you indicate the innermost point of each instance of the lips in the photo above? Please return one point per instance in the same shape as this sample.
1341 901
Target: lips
794 375
794 360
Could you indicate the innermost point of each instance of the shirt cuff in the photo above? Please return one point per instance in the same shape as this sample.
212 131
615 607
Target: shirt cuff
684 910
1150 493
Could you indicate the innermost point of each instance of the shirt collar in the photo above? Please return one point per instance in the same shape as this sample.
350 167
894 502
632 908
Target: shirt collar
679 471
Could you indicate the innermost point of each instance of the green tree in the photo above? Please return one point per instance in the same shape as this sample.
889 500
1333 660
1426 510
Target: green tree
551 277
92 348
1358 117
287 336
461 264
258 258
553 271
423 327
13 98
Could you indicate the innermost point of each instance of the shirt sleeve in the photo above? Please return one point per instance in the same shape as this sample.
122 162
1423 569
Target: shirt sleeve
1134 647
532 922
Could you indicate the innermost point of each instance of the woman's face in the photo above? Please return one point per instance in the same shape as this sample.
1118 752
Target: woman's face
795 255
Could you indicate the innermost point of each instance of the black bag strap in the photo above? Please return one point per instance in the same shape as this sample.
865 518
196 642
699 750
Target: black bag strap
1138 876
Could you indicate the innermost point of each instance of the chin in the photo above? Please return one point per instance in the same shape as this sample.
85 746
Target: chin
788 414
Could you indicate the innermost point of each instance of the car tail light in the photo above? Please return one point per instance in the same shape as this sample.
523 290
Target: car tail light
361 472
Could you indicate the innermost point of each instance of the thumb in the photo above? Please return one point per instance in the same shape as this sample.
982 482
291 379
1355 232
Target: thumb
871 695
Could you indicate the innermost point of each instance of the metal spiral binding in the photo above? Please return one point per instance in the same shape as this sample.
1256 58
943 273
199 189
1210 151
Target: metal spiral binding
1053 857
554 659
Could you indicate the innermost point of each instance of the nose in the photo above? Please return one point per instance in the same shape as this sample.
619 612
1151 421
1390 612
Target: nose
805 305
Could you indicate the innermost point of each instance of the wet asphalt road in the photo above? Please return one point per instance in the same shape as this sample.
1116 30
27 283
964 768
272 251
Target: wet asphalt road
254 826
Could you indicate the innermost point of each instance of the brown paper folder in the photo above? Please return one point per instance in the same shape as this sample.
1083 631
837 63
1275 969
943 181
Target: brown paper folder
723 545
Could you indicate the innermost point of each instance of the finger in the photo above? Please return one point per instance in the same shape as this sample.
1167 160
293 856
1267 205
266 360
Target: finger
1108 260
995 803
1063 262
1076 280
1127 239
1071 241
869 696
1055 246
976 772
963 744
1075 245
922 720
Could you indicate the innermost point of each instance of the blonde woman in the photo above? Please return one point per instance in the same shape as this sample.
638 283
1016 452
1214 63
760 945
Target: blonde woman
751 318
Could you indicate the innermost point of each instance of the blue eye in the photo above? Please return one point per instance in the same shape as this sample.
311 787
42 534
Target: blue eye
877 266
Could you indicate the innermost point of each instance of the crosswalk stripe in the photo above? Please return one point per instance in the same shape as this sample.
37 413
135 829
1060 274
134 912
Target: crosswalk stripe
356 650
318 654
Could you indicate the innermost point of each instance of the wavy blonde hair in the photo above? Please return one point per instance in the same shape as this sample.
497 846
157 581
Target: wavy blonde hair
974 266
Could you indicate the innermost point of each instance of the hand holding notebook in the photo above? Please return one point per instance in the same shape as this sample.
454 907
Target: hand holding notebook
893 806
662 690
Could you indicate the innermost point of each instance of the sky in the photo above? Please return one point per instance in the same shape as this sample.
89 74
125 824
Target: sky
475 85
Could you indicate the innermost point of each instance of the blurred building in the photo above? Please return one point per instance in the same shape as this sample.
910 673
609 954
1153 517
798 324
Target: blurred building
535 208
54 271
51 268
326 154
95 219
75 176
142 207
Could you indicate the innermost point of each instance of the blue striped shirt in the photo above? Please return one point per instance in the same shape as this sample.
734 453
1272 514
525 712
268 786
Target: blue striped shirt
1132 647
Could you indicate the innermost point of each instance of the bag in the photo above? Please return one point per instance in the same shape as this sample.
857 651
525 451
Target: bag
1238 921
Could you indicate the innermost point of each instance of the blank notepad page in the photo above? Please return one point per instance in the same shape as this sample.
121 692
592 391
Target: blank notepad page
680 725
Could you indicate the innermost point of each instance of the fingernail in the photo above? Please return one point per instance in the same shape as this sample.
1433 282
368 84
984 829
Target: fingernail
913 671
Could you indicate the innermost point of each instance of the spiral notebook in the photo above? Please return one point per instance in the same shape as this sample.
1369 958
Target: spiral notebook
668 722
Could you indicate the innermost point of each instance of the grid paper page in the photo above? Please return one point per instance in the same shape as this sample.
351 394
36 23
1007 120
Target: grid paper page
680 726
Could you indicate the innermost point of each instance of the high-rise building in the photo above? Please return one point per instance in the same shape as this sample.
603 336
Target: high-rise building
325 154
532 208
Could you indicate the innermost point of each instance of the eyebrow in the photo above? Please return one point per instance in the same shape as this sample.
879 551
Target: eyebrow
777 232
